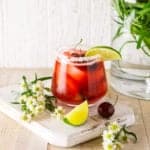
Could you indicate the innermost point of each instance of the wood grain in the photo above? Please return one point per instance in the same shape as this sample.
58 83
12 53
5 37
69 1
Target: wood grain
31 31
15 137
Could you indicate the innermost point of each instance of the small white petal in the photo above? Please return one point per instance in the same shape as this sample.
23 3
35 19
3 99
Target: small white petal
108 135
114 127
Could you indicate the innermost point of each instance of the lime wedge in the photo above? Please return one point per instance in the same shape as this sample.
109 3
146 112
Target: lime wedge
105 53
78 115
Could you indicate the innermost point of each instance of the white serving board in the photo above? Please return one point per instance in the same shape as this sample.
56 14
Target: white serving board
56 132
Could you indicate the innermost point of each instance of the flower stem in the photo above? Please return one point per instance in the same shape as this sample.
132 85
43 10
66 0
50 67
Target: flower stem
41 79
15 103
130 133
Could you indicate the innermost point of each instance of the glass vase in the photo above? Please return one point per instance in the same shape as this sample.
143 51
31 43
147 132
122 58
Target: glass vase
131 75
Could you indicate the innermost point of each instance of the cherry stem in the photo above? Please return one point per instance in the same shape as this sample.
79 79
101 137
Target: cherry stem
81 40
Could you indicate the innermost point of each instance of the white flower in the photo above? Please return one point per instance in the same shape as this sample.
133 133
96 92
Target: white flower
41 103
115 145
108 146
40 83
26 117
33 98
118 145
39 109
59 109
32 108
23 86
108 135
123 137
29 117
41 98
31 101
114 127
22 99
110 142
59 112
38 88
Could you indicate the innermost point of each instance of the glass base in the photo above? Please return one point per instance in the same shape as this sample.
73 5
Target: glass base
129 84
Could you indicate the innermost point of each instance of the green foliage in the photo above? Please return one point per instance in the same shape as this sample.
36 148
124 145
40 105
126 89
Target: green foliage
139 26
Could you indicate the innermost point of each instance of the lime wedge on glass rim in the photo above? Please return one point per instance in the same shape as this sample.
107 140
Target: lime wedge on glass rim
78 115
105 53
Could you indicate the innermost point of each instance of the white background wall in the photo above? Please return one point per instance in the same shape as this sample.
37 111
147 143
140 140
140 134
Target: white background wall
32 30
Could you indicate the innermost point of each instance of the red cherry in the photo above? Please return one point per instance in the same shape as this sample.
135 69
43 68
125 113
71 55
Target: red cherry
106 110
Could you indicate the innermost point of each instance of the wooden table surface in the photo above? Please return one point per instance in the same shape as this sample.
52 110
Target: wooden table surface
15 137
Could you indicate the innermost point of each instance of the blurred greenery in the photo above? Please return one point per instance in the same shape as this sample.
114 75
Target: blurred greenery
139 22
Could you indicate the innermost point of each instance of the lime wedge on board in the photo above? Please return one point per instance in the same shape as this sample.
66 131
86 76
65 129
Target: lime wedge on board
78 115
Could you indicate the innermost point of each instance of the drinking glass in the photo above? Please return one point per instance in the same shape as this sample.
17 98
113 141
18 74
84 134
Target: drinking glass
77 78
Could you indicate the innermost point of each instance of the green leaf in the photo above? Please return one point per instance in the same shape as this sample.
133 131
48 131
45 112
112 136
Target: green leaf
26 83
118 4
118 33
36 78
28 93
124 44
146 50
139 25
41 79
131 134
47 89
23 107
147 42
50 106
15 102
139 42
50 103
118 22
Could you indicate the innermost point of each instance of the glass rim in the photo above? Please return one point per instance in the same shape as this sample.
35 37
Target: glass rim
86 60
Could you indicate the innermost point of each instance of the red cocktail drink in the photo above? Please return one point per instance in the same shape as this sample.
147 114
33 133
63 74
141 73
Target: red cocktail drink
77 78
